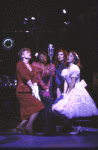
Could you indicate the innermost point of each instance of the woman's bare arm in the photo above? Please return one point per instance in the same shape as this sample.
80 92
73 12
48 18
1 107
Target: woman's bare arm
73 80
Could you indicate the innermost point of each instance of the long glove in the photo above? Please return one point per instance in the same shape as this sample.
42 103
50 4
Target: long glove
35 92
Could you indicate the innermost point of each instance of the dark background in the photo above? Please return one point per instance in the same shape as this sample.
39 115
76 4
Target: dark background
80 35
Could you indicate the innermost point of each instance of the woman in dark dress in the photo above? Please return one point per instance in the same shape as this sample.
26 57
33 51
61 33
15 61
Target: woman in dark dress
27 92
60 64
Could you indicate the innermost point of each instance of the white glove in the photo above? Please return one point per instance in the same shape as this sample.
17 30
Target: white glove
35 92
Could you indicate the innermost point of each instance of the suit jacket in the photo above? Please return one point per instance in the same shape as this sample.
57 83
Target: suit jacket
23 75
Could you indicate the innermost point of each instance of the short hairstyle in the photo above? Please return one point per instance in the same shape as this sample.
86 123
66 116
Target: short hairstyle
20 53
42 52
56 57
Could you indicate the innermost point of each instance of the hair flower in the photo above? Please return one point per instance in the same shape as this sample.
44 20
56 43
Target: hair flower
36 55
77 56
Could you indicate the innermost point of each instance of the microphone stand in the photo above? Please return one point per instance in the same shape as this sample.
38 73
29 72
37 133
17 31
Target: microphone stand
50 53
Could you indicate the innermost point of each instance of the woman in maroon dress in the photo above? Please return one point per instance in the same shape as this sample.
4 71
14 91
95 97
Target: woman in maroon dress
30 105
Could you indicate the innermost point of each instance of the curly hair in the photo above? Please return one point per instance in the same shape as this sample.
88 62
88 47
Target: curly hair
20 53
76 58
56 62
42 52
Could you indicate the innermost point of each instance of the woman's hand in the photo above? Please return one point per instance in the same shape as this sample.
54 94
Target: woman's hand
35 84
64 96
46 94
52 108
35 92
33 87
58 92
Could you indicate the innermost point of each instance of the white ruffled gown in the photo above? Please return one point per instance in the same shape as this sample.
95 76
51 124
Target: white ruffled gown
78 103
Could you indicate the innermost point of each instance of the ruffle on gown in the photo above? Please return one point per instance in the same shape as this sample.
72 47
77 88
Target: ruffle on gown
78 103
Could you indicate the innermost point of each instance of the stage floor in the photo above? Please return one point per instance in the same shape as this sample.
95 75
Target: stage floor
87 139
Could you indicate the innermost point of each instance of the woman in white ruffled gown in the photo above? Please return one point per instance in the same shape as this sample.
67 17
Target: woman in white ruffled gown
76 101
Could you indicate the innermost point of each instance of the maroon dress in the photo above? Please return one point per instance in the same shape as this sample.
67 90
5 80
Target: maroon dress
28 103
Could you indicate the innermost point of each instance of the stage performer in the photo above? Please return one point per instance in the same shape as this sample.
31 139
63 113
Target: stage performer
27 92
76 101
43 71
60 64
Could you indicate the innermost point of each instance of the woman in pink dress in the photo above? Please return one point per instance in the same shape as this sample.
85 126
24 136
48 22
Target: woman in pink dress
76 101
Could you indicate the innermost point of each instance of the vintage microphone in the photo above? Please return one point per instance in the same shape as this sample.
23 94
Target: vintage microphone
50 54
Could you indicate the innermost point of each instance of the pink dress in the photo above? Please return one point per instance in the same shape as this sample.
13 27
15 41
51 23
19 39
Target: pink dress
78 103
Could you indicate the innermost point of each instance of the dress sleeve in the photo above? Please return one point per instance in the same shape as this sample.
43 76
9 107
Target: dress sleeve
37 66
41 83
34 74
39 74
53 69
74 71
47 71
22 70
57 80
64 72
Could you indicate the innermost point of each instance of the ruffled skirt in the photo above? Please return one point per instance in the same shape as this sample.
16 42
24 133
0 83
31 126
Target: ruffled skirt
78 103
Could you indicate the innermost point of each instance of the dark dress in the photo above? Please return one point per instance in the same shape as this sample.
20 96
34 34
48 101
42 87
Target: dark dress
28 103
59 80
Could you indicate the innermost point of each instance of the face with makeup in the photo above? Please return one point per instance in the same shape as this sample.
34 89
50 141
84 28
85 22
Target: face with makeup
61 56
42 58
71 58
26 55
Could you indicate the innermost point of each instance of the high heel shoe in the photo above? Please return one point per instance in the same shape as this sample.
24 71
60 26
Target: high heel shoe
29 132
18 129
76 130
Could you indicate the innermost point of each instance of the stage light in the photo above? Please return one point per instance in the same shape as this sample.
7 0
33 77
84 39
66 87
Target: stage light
25 19
15 82
25 22
27 31
67 23
8 43
32 18
64 11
